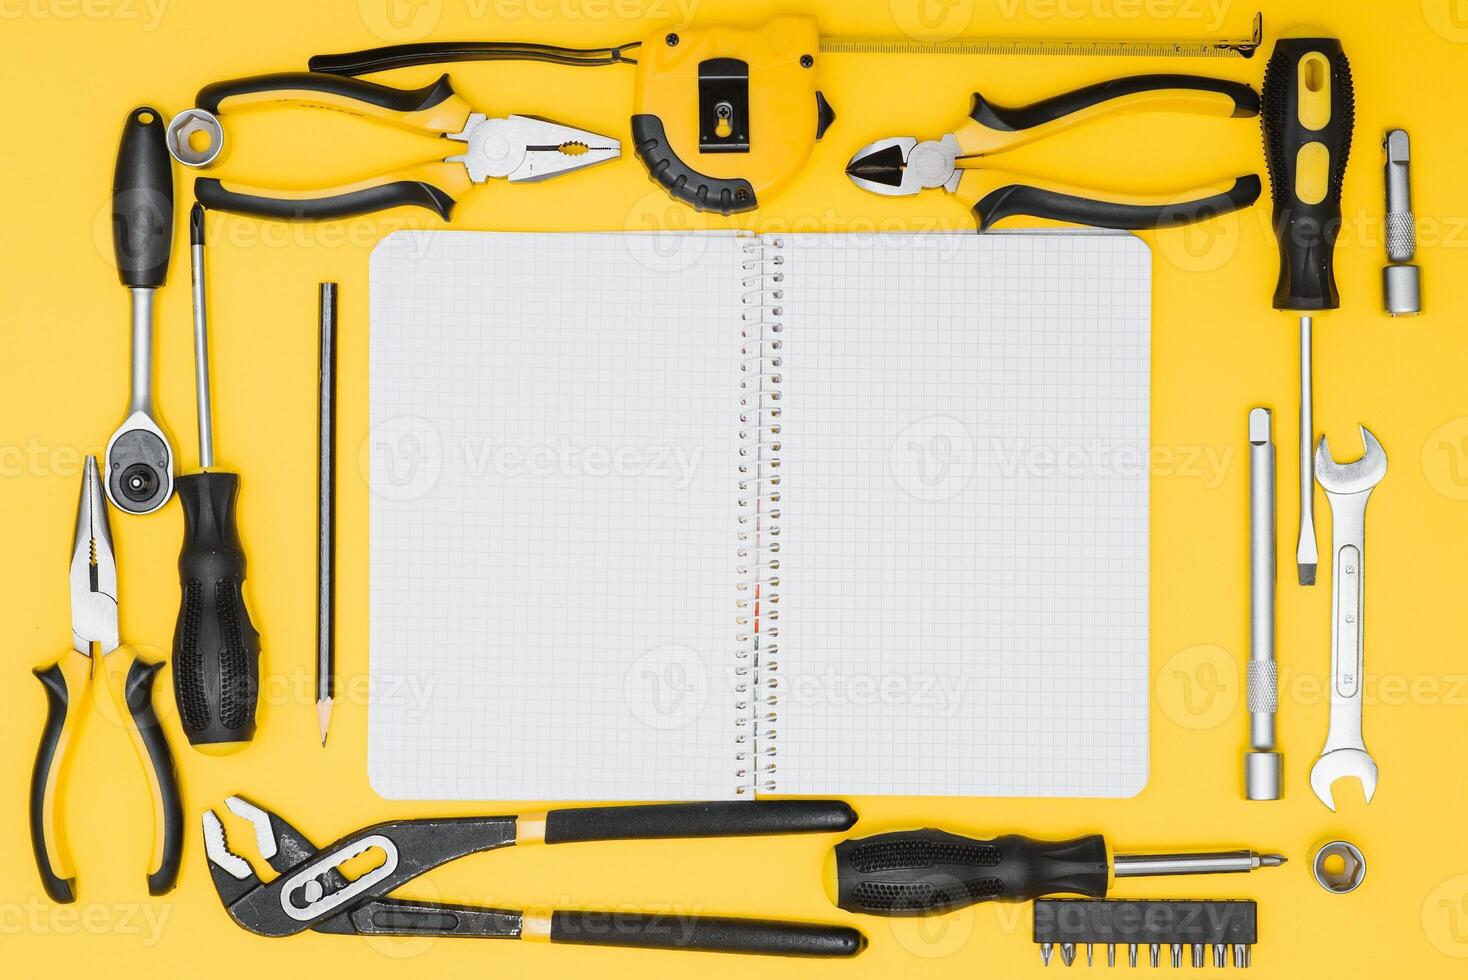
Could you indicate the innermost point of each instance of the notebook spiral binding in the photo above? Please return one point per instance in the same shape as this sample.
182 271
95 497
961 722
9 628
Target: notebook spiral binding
757 664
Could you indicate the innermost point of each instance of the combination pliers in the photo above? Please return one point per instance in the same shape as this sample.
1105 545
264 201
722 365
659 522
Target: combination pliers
312 892
517 148
128 680
958 161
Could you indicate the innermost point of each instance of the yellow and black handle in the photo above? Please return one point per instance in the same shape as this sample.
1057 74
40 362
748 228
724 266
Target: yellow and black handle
993 129
1308 117
434 110
129 681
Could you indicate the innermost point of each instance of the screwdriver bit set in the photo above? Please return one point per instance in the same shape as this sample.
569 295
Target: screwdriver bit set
1201 932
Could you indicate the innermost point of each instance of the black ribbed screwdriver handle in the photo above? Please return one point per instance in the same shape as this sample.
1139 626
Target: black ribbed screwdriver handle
1307 114
216 651
920 872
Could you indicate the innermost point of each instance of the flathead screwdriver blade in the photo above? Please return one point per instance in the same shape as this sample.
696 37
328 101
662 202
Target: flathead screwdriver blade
1111 954
1154 953
1047 950
1131 955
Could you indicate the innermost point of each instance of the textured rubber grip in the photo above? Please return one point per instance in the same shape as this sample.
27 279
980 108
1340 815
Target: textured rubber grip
442 52
722 819
726 195
64 682
212 97
921 872
1021 199
403 193
142 201
216 651
1010 119
705 933
1306 231
130 683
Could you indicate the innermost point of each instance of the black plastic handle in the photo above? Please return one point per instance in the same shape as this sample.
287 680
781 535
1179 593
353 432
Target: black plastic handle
1015 118
705 933
442 52
1018 199
142 201
211 97
412 193
64 682
216 651
1306 230
138 694
921 872
722 819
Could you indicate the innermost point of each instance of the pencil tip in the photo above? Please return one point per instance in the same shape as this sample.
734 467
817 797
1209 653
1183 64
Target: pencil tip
323 715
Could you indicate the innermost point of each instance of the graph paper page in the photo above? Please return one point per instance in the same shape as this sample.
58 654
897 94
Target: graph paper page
964 515
553 514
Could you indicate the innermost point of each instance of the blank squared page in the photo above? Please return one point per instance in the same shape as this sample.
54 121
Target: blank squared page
964 515
554 502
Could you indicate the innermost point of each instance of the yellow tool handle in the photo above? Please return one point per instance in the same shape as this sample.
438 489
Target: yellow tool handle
65 682
995 196
435 185
434 109
129 682
993 128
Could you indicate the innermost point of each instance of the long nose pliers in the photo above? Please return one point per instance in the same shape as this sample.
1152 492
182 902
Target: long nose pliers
310 890
959 161
129 683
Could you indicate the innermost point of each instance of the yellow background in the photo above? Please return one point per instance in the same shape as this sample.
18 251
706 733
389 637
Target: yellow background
71 70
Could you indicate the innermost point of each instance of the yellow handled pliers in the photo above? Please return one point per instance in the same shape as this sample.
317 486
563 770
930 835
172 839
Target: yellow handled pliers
958 161
516 148
129 683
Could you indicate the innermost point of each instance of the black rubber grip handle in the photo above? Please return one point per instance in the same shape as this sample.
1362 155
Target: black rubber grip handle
726 195
442 52
1011 119
722 819
138 692
1306 230
211 97
705 933
142 201
216 651
1018 199
47 771
921 872
412 193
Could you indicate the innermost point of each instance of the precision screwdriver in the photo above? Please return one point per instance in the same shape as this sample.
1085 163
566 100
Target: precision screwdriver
922 872
216 651
1307 112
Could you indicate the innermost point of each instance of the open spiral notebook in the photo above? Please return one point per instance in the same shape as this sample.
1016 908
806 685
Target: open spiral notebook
703 516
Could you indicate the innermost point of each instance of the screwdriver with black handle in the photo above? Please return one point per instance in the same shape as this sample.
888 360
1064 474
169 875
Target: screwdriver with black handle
216 650
925 872
1307 111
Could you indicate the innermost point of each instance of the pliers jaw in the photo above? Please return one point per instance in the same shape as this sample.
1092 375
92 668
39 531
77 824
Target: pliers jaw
527 148
901 166
93 570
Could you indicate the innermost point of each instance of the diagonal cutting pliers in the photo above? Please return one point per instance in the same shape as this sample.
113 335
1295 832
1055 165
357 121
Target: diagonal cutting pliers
311 891
959 161
129 683
517 148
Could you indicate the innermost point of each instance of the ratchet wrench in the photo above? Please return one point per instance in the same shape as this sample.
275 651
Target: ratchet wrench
139 459
1347 487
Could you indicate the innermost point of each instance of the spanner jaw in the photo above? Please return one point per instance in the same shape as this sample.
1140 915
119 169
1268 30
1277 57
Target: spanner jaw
1340 764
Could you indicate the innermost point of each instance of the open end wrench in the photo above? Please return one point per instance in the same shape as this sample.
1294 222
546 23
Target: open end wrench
1347 487
139 459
